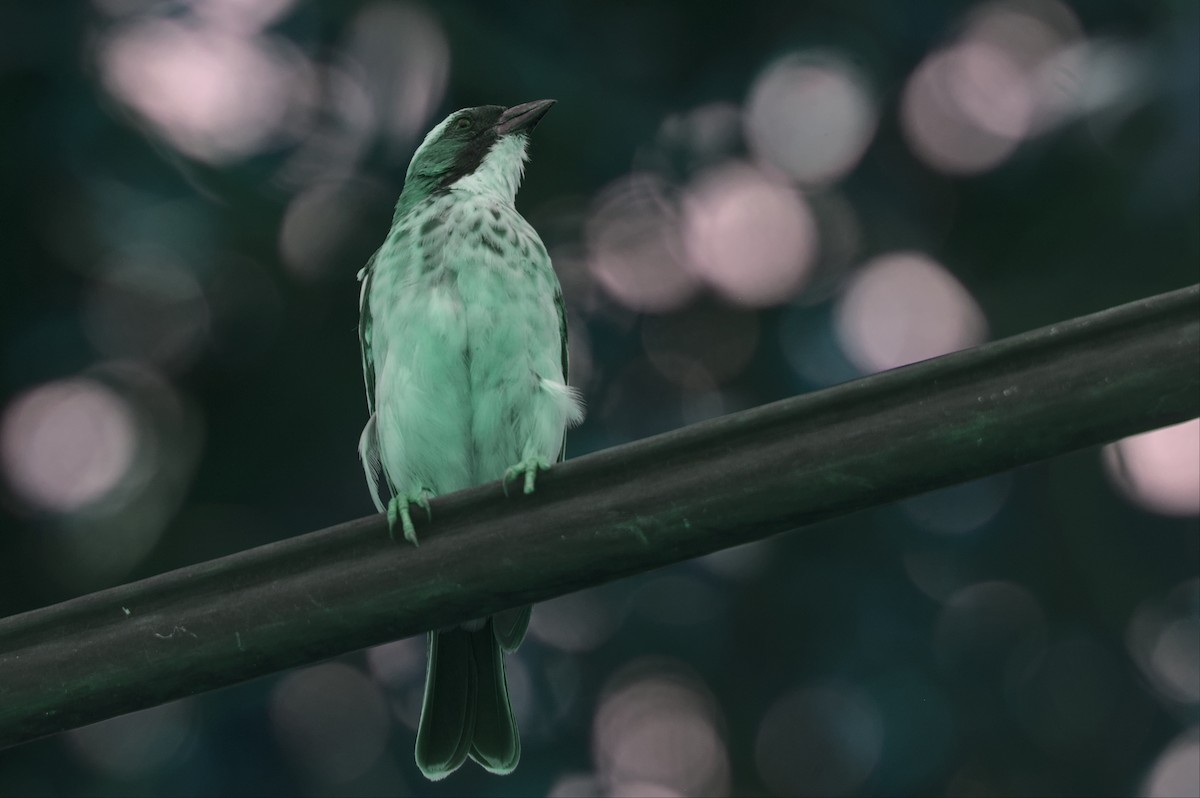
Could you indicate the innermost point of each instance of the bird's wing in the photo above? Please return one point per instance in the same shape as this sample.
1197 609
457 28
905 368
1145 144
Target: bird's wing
364 330
368 444
562 334
372 461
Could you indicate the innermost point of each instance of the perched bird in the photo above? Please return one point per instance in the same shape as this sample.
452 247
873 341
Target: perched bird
464 349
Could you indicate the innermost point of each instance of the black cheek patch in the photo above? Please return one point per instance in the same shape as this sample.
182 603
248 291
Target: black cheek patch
467 160
473 150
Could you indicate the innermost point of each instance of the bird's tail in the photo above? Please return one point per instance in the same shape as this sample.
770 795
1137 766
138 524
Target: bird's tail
466 711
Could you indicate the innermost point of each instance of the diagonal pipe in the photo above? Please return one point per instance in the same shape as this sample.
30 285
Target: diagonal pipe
608 515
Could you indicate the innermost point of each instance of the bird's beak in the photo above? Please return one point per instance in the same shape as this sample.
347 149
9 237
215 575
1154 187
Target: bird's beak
523 117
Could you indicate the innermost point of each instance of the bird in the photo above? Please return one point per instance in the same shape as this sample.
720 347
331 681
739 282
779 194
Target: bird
463 333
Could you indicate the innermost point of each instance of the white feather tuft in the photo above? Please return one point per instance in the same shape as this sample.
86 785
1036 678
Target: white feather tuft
568 400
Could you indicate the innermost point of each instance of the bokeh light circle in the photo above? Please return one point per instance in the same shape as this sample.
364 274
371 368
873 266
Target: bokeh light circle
904 307
1163 638
138 744
1159 470
148 306
403 56
751 238
966 108
576 622
213 94
331 720
960 508
1177 769
632 235
989 626
819 740
658 727
67 444
810 115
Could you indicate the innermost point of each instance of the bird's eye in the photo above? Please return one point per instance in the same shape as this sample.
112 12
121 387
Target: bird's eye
463 122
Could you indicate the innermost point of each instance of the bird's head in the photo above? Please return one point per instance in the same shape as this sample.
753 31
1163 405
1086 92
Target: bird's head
476 149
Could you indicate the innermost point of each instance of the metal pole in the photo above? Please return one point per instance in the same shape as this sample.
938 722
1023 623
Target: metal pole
612 514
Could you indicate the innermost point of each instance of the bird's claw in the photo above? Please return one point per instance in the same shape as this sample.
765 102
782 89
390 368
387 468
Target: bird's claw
398 511
529 467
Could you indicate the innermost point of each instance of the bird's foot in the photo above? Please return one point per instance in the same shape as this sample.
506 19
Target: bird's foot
529 467
398 511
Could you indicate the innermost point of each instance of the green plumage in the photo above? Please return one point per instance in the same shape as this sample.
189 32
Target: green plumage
463 334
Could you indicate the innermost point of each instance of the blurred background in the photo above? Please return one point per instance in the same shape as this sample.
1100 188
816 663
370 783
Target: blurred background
744 202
